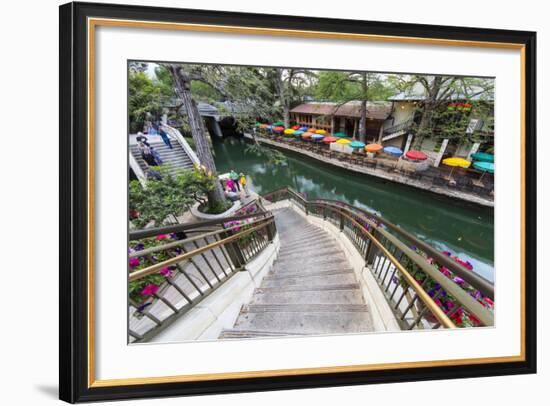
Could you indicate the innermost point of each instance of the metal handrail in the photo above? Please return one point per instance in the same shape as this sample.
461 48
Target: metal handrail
175 228
153 268
192 275
389 248
482 284
177 243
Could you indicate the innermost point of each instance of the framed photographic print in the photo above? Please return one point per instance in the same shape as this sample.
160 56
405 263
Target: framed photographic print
257 202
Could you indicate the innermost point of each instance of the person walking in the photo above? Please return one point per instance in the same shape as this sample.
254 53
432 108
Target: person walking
156 155
165 138
142 138
146 154
242 182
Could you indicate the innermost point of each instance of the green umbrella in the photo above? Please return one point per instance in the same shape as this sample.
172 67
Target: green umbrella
340 135
357 144
278 123
483 157
484 167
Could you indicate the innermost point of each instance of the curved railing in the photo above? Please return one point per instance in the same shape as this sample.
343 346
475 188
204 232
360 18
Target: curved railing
425 288
170 276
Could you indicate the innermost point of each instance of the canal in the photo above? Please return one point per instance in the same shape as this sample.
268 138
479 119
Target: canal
464 229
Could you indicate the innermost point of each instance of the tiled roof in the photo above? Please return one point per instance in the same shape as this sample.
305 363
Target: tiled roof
377 111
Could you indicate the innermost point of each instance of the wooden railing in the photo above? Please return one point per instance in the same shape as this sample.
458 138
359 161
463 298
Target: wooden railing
424 288
169 279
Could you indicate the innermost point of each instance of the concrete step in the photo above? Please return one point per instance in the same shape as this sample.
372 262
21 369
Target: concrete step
235 334
301 236
324 253
292 265
305 273
312 322
310 246
307 308
329 267
316 288
323 280
341 296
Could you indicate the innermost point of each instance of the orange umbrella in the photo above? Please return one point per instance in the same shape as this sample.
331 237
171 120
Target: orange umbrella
307 135
374 148
311 130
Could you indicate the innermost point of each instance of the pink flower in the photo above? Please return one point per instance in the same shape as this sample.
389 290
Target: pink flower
134 261
167 272
150 290
161 237
458 280
445 271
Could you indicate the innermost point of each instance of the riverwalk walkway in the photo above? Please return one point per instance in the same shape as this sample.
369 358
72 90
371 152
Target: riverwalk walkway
311 289
428 181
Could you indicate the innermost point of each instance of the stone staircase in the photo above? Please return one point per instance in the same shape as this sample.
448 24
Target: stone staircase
175 158
310 290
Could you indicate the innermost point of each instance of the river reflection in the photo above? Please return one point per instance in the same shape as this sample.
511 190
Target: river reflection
465 230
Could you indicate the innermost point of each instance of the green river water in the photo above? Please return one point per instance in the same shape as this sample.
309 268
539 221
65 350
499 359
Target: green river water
466 230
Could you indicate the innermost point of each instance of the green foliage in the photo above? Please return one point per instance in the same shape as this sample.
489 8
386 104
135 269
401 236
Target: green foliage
146 99
339 86
170 195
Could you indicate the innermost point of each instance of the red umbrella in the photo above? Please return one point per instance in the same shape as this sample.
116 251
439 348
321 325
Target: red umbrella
328 140
278 129
416 155
295 127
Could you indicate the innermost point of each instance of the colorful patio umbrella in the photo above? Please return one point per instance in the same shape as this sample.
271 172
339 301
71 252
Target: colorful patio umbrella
457 161
263 126
317 137
393 151
297 133
328 140
312 130
278 129
322 132
483 157
295 127
278 124
343 141
302 129
340 135
307 135
357 144
416 155
374 148
454 162
484 167
288 131
257 124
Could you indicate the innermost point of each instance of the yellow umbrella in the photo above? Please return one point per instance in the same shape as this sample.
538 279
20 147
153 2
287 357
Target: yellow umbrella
456 161
343 141
322 132
289 131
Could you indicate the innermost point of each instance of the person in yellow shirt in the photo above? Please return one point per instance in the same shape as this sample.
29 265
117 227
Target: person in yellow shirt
242 182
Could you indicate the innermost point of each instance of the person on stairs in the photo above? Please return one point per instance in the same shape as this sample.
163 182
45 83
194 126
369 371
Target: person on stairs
142 138
165 137
242 182
147 154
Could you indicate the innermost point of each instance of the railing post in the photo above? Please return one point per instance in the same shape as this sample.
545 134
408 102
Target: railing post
271 231
235 253
369 255
341 221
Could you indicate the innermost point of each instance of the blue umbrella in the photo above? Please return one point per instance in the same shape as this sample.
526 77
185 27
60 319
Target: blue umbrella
317 137
304 129
393 151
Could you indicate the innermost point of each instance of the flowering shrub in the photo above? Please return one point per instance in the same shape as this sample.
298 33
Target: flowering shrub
461 317
142 289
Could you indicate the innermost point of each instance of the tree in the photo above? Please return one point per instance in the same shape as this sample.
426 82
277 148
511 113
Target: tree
289 83
182 85
437 91
170 195
146 96
345 87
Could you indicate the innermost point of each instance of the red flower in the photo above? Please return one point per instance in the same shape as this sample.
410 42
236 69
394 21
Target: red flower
134 261
161 237
150 289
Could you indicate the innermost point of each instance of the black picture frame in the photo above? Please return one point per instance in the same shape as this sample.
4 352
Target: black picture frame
74 201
